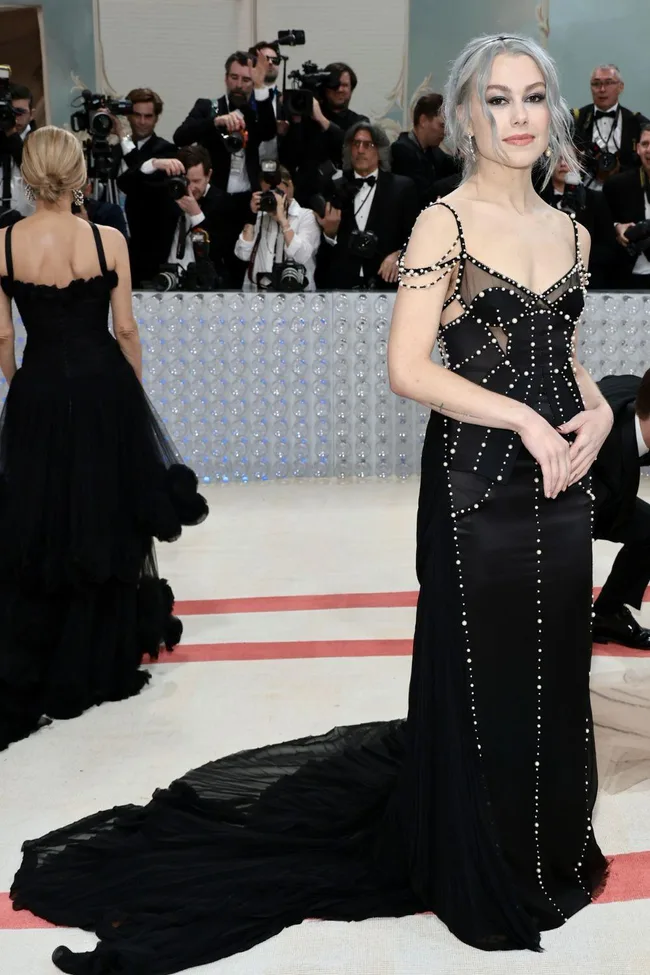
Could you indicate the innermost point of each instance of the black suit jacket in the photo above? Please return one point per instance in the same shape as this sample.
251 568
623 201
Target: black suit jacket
219 220
149 210
393 212
630 134
626 200
426 167
199 127
616 470
106 214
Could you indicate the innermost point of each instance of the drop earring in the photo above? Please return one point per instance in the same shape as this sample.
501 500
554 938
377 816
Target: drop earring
78 198
547 152
29 192
470 148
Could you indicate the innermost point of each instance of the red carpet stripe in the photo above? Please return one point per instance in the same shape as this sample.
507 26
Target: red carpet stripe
629 880
285 604
303 649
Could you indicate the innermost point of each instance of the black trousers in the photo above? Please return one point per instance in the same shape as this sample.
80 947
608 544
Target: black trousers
630 574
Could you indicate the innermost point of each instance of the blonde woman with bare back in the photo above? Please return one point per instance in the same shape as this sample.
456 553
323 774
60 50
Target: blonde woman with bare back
87 473
477 807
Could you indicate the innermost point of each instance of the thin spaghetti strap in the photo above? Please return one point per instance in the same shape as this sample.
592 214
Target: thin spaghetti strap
461 235
100 249
8 258
579 263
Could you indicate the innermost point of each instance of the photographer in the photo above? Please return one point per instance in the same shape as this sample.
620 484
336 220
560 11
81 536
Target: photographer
269 53
283 231
364 237
567 192
13 202
232 128
187 201
142 144
417 154
316 136
628 196
606 132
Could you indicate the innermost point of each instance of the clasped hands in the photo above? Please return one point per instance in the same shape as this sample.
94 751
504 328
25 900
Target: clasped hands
564 464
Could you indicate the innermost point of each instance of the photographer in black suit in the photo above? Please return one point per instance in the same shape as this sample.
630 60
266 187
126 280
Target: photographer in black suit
200 206
231 128
628 197
620 515
310 141
363 240
606 131
13 203
417 154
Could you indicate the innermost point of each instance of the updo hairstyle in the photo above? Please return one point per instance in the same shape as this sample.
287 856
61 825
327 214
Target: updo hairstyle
53 163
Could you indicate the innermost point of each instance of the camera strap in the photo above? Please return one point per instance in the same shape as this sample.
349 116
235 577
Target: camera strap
612 132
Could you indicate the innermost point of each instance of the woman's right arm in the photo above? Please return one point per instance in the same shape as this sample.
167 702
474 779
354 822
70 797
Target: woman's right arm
7 336
413 333
124 324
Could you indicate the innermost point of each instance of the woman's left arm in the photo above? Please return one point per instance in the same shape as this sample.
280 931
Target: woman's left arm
592 425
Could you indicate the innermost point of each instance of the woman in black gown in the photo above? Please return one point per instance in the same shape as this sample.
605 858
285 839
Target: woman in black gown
87 474
478 806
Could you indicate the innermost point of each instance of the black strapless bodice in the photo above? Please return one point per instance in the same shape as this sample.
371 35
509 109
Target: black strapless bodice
67 328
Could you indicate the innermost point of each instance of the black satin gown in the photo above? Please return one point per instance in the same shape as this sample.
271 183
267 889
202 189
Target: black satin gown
478 805
88 476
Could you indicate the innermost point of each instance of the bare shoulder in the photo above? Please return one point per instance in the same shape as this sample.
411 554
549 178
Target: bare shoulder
114 242
434 234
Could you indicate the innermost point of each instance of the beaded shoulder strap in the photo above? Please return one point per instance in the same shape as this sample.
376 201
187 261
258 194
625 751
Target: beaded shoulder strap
445 265
580 264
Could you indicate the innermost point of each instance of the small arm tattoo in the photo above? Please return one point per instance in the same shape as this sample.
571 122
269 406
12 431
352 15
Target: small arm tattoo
441 408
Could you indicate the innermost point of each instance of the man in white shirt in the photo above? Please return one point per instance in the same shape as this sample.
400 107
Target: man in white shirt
13 200
607 131
621 516
365 238
288 232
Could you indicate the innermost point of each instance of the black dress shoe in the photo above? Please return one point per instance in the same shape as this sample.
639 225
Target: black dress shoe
621 627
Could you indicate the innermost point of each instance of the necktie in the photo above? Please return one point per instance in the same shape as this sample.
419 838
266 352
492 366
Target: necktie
599 114
365 181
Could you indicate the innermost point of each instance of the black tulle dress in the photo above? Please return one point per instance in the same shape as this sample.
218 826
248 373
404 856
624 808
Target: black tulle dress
478 805
88 477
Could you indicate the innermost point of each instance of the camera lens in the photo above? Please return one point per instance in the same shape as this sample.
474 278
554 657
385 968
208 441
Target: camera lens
177 186
101 124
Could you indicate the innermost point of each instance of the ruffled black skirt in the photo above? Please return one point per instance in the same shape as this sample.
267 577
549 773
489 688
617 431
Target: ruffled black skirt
88 479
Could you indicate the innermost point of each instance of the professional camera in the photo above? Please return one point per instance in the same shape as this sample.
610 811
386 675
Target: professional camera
270 175
285 276
8 113
337 190
574 197
199 275
233 141
638 237
93 117
308 83
363 244
177 186
600 163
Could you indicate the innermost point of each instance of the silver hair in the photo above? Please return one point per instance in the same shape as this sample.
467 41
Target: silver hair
378 136
471 73
608 67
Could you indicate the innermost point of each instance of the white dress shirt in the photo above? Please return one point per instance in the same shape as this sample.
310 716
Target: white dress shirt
19 200
128 145
642 446
302 249
238 181
606 133
191 220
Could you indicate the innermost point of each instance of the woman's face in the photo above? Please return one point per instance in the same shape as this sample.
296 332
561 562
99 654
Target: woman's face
516 96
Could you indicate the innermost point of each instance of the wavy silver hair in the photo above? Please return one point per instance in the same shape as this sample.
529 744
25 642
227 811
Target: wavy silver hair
471 72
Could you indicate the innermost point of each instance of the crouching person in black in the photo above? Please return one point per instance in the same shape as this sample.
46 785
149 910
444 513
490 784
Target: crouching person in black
187 202
369 217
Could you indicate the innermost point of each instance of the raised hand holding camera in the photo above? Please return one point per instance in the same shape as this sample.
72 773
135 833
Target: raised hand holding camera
331 221
173 167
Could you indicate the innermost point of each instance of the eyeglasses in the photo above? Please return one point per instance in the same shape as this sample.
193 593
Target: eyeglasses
607 83
274 60
362 144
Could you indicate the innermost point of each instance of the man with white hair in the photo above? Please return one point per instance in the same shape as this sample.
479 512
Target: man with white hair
606 132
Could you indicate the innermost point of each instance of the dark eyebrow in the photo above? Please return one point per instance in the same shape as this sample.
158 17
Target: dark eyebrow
535 84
